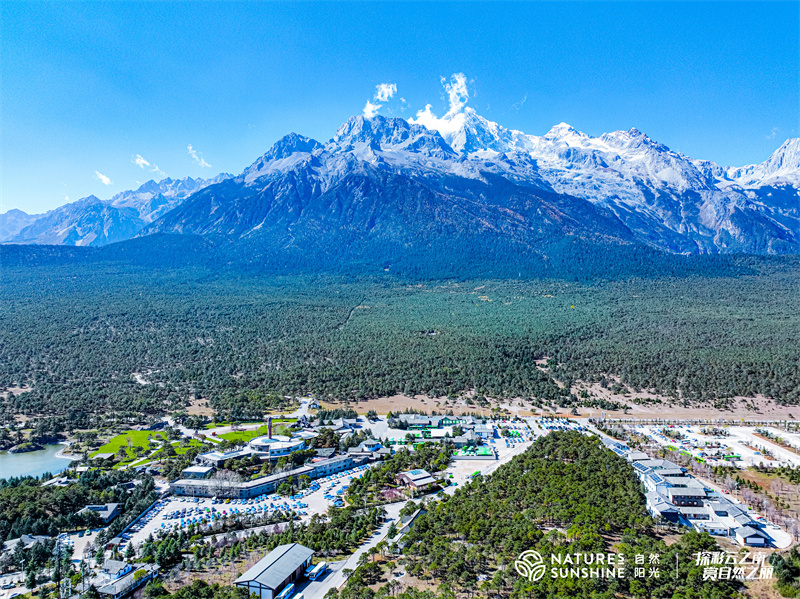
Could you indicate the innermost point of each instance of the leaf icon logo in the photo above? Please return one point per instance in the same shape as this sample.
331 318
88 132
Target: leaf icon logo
529 564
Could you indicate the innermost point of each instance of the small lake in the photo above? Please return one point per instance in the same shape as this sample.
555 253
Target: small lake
32 463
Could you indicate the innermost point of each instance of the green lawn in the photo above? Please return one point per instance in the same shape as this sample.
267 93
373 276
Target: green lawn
245 436
178 449
136 438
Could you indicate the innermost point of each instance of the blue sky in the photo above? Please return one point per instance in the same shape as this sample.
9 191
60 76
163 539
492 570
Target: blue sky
88 88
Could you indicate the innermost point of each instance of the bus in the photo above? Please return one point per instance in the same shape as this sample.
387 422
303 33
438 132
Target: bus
286 593
317 570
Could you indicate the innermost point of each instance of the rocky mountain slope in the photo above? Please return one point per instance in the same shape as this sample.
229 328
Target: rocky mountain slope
387 185
91 221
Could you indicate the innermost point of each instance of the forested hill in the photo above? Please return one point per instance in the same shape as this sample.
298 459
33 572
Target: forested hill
85 336
463 257
566 494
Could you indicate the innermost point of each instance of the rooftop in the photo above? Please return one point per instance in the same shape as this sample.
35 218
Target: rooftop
274 568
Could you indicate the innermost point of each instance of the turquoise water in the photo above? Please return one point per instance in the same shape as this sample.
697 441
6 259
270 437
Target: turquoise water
32 463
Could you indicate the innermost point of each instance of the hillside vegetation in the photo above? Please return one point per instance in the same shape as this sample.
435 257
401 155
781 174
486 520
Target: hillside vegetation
77 333
565 495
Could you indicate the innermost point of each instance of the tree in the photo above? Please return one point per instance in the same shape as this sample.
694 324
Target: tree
30 578
100 556
91 593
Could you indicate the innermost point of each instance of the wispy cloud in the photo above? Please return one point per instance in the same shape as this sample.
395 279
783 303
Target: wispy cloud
139 161
457 93
383 93
197 157
102 178
143 163
519 104
457 97
773 133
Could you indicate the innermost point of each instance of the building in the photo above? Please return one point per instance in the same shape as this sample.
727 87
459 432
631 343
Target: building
27 541
751 537
684 496
218 458
340 425
137 575
484 431
197 471
273 448
115 568
406 524
279 568
416 479
659 507
680 498
216 487
107 511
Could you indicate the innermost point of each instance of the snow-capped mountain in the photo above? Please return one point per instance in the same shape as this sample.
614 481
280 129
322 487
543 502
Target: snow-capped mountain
382 188
782 167
394 182
91 221
667 199
13 221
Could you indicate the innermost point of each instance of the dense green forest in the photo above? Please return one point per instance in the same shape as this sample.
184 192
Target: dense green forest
29 507
566 495
85 337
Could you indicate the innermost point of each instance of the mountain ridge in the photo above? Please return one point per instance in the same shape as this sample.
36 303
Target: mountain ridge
92 221
640 189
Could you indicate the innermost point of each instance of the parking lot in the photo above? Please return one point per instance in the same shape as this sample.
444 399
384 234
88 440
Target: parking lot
176 513
740 441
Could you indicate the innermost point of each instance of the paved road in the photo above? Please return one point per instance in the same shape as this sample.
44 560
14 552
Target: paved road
334 578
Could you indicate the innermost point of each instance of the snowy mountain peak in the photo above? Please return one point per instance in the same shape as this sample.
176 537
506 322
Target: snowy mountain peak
564 130
284 154
782 166
380 139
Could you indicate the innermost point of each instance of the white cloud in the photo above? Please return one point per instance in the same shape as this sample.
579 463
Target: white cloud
519 104
457 93
773 133
453 120
141 162
102 178
198 158
66 198
370 109
384 91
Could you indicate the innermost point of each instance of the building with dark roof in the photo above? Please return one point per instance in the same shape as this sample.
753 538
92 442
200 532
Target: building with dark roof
135 577
281 567
416 479
216 487
751 537
106 511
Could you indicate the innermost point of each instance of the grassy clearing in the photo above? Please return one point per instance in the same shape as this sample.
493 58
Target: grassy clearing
130 439
179 449
245 436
